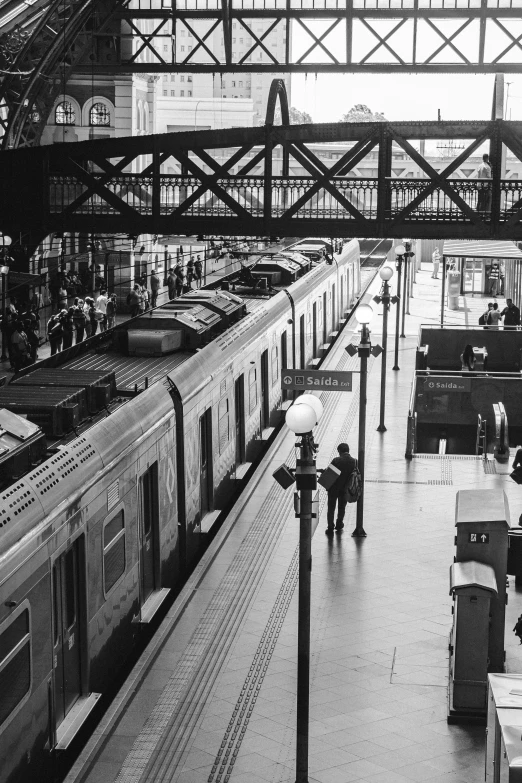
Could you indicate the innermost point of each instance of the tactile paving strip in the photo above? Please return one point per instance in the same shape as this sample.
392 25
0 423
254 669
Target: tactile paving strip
236 729
489 466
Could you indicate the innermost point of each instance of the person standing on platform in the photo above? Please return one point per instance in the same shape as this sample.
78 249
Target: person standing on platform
79 319
32 339
338 492
190 271
484 194
154 287
20 354
436 263
198 271
171 283
495 317
111 311
178 279
494 278
67 328
511 314
101 305
55 333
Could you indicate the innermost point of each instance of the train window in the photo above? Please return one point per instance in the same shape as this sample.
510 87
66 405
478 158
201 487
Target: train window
252 390
113 551
70 593
15 663
275 365
224 424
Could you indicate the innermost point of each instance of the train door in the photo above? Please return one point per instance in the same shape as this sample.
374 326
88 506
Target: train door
334 308
149 529
302 343
67 624
265 394
239 412
205 458
325 313
314 328
284 357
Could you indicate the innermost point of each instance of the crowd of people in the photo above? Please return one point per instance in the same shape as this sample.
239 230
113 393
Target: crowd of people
492 317
83 319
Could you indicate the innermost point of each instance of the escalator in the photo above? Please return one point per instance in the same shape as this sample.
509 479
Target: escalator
464 438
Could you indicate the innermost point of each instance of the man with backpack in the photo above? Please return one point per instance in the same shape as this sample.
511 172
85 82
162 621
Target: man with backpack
485 318
340 491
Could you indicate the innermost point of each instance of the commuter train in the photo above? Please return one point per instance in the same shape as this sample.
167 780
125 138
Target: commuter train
108 520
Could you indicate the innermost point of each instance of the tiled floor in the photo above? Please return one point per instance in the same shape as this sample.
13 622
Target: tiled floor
217 702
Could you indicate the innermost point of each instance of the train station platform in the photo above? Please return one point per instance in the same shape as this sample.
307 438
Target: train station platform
213 698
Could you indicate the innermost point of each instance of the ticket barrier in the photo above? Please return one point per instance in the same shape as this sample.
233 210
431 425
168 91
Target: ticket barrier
501 447
514 566
503 758
472 586
482 522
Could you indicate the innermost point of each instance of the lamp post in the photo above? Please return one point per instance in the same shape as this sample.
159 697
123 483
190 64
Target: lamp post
301 417
386 273
399 255
364 315
4 270
196 114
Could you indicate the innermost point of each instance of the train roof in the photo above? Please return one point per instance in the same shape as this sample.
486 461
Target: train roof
25 503
135 373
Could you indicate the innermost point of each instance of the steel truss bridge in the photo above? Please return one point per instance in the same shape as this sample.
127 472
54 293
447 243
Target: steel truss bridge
43 42
238 182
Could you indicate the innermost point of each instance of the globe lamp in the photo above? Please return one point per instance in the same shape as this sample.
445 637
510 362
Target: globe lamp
301 418
314 403
386 273
364 314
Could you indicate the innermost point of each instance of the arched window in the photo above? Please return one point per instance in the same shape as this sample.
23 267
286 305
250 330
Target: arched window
65 114
99 114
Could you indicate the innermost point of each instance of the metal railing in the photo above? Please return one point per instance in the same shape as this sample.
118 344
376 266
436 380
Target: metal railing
188 196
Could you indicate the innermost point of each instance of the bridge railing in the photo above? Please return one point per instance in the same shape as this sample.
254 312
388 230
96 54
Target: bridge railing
291 197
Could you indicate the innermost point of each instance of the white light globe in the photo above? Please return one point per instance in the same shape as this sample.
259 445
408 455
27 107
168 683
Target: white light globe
301 419
364 314
386 273
6 241
314 403
399 250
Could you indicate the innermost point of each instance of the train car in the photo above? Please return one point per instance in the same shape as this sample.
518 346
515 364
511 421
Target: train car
95 536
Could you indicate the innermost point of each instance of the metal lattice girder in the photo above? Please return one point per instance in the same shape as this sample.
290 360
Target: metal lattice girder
104 186
58 42
421 36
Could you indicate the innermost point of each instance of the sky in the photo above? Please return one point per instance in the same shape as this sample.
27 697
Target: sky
402 96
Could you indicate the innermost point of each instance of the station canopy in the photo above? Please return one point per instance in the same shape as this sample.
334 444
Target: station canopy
481 248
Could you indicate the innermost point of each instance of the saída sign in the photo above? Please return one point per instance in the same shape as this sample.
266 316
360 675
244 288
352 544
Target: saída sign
447 385
315 380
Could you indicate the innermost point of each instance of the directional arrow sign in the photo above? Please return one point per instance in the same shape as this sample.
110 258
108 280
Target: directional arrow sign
478 538
316 379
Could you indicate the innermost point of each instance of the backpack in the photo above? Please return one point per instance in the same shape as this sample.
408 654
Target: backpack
355 485
482 320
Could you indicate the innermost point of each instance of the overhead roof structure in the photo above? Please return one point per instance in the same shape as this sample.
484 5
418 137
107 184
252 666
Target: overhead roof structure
43 41
481 248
